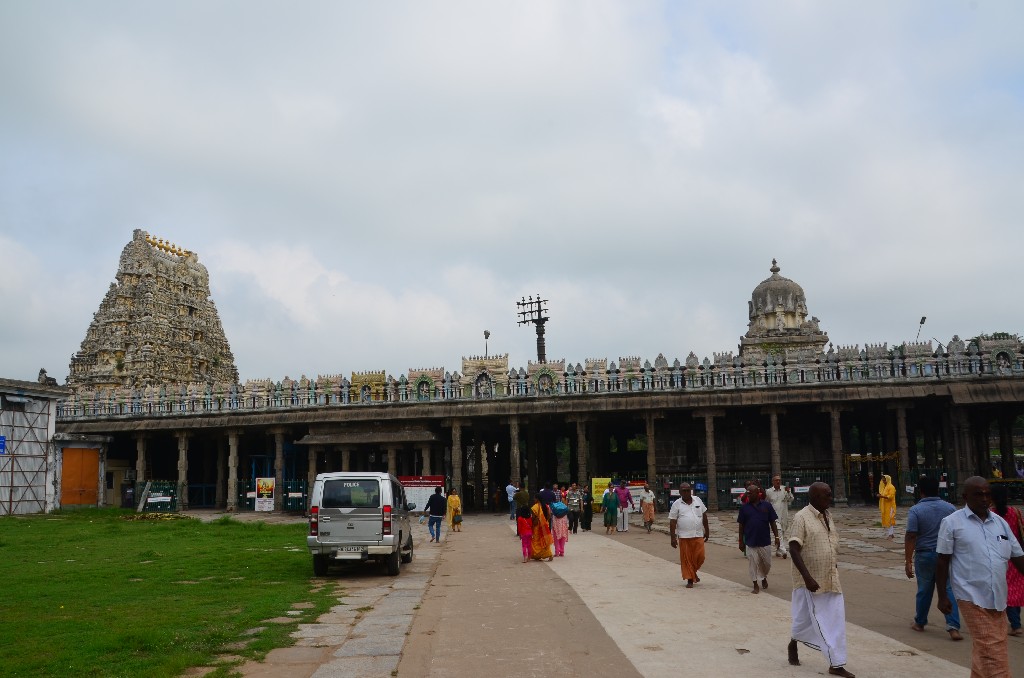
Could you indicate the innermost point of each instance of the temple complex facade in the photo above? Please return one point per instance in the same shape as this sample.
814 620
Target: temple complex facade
787 402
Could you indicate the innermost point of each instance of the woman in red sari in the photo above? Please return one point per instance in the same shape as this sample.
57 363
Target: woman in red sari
542 542
1014 579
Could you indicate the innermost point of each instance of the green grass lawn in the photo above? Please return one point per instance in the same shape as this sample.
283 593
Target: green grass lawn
94 593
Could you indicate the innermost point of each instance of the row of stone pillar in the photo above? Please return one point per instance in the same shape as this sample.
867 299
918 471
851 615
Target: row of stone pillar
582 451
227 466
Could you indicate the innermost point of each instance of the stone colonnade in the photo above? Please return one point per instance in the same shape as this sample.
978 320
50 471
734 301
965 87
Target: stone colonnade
882 426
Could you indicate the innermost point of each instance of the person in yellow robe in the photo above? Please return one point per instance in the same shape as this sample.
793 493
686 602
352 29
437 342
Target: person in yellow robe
542 542
454 509
887 505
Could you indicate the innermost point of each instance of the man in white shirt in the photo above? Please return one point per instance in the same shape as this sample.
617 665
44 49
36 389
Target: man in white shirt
647 506
780 498
974 547
688 528
511 490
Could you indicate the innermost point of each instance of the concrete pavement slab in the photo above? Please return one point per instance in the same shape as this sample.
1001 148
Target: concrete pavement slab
718 626
381 644
361 667
488 614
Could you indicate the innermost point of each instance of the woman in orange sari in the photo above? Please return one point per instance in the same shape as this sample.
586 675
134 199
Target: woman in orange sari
542 542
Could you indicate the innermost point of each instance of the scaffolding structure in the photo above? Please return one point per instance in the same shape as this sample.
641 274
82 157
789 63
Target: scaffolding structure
27 420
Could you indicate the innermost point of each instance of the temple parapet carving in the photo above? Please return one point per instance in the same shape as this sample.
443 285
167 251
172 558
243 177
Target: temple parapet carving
918 349
485 377
999 356
426 383
1002 351
723 359
367 387
544 378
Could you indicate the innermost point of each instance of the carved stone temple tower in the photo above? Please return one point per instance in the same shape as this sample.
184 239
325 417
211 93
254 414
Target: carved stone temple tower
778 323
156 325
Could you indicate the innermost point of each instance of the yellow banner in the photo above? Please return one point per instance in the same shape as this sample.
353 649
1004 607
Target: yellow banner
597 488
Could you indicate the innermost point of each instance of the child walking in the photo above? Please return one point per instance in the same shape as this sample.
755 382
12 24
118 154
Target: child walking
524 527
560 531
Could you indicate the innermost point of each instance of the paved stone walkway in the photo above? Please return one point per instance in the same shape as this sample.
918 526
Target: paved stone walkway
716 628
468 607
363 635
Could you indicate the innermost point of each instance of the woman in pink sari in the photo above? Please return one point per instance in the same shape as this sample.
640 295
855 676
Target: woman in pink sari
560 533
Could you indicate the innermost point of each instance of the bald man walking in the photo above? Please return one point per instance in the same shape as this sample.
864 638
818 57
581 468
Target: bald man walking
819 610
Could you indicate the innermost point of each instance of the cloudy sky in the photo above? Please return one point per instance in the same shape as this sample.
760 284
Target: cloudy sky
372 185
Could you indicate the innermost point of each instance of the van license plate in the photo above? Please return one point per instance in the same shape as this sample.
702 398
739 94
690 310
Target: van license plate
351 549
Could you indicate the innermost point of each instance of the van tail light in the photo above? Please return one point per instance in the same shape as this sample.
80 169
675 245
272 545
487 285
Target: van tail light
387 520
314 521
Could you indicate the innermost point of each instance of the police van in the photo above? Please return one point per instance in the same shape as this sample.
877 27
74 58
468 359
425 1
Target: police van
356 517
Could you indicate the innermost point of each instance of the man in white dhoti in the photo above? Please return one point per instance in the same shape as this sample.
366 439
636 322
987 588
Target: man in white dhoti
780 498
819 611
625 505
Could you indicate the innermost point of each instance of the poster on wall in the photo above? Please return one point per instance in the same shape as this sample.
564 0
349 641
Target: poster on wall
264 494
597 488
419 488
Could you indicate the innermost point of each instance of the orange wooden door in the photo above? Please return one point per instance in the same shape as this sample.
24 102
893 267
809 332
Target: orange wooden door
80 477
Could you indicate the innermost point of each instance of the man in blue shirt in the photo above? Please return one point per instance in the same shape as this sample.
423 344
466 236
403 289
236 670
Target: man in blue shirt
974 546
756 518
919 551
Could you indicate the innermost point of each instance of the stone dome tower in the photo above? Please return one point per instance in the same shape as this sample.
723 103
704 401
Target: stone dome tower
778 323
156 325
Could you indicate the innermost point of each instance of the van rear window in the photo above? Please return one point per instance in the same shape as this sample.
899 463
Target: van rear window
351 494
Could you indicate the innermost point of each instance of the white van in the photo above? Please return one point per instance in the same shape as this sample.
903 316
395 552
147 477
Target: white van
359 517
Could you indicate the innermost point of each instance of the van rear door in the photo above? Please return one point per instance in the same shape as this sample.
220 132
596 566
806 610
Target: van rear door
350 511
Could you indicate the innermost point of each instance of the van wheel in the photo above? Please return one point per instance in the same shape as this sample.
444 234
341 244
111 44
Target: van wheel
394 562
407 557
320 564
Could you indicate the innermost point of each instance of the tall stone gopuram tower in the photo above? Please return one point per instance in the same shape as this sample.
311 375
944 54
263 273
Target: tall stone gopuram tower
156 325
